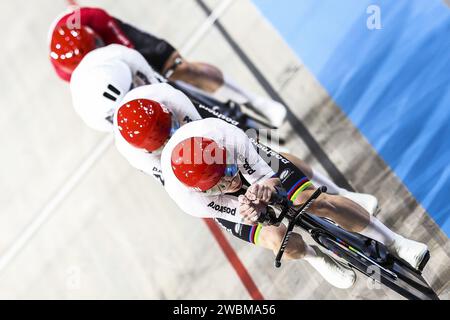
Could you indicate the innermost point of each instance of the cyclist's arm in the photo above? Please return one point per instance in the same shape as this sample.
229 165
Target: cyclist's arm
251 164
150 46
199 205
148 163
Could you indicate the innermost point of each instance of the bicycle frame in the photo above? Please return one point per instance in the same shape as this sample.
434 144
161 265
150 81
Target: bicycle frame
360 252
208 107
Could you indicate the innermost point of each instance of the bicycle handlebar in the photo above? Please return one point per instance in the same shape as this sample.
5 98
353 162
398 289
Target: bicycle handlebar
280 198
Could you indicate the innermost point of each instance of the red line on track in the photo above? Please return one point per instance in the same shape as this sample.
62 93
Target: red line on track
227 249
234 260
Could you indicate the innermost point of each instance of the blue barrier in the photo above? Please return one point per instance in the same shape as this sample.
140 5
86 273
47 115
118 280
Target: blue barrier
393 83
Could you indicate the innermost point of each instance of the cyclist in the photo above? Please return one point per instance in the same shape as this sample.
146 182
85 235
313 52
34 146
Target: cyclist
212 170
149 115
103 78
81 30
144 124
101 81
145 102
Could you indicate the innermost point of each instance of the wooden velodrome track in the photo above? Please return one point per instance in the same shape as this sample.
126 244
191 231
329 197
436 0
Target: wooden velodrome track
77 222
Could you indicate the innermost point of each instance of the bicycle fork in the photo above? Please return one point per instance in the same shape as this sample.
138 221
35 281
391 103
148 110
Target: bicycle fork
294 217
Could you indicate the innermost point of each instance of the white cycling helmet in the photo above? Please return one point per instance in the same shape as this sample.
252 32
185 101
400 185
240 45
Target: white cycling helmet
97 90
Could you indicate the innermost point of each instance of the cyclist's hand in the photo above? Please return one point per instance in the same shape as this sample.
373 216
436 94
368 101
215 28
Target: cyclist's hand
261 192
250 210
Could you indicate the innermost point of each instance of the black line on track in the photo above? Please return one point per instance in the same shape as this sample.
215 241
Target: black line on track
296 124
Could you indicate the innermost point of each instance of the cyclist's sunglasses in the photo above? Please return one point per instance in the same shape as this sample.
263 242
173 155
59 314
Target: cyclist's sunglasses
231 170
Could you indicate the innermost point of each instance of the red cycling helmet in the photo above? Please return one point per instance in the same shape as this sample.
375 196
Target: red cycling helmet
69 46
144 124
199 163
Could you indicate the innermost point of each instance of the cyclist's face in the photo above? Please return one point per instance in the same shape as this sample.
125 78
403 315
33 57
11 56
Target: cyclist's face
230 184
235 184
227 184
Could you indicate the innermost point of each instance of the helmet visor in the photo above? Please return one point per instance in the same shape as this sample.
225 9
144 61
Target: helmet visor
231 178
